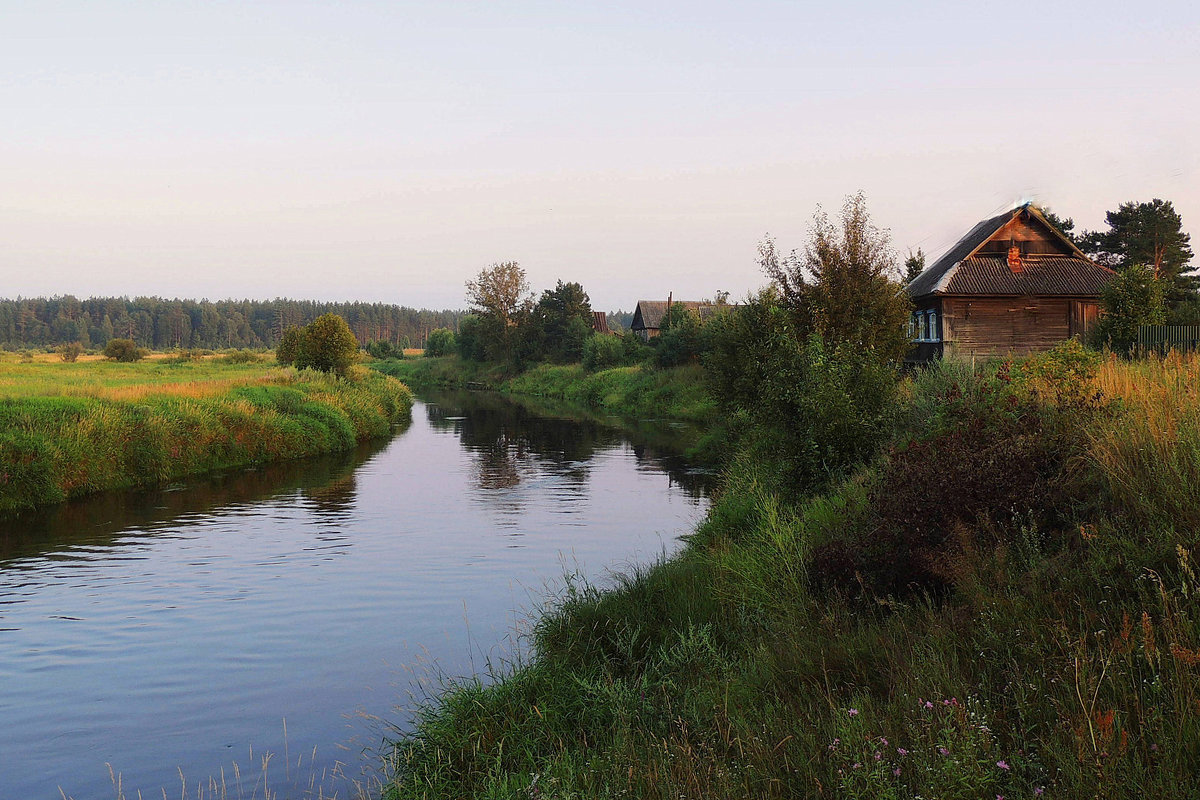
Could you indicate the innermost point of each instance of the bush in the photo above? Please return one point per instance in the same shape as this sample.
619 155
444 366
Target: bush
384 350
680 341
123 350
241 357
603 352
70 352
328 345
439 343
289 346
1133 298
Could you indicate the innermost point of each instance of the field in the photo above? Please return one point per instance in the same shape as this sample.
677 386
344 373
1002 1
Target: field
1005 603
70 429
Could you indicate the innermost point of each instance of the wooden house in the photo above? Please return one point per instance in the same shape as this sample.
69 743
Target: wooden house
1012 285
649 314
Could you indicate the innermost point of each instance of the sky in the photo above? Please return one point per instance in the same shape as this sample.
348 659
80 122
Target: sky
390 151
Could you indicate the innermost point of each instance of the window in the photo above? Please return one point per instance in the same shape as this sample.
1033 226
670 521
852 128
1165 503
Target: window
933 327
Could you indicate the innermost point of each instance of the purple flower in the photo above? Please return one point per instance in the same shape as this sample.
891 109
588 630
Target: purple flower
943 751
878 756
901 751
857 765
1002 764
896 772
928 704
853 712
883 741
1039 791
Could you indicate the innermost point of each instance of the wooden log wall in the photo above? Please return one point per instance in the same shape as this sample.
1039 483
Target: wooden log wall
1001 326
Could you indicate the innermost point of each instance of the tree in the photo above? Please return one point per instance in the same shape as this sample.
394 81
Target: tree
439 343
499 295
559 324
1132 299
1064 226
469 340
843 287
1146 233
122 350
914 265
289 345
328 345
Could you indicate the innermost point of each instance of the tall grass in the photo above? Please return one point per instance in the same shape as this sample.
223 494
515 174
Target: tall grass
70 429
1059 661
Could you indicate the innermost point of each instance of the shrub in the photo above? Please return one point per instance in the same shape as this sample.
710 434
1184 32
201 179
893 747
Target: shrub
327 345
603 352
1133 298
384 350
242 356
289 346
70 352
123 350
440 342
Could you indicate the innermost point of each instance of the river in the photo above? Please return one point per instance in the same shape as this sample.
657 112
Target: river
296 614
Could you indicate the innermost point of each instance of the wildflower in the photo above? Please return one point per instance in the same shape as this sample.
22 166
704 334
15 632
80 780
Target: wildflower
853 712
1153 748
901 751
1039 791
928 704
878 756
943 751
857 765
896 772
883 741
1002 764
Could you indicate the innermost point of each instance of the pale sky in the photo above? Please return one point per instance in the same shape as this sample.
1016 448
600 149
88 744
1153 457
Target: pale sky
389 151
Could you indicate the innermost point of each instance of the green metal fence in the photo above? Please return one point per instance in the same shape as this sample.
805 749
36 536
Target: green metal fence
1161 338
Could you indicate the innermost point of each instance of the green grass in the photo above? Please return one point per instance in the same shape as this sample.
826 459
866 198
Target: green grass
1059 662
72 429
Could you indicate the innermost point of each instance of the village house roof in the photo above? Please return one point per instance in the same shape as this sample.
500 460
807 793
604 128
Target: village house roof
1053 266
648 315
600 322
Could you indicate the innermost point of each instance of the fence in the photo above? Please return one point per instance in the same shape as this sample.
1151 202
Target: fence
1161 338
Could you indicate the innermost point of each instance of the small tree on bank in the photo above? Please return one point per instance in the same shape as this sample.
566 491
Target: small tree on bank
326 344
70 352
439 343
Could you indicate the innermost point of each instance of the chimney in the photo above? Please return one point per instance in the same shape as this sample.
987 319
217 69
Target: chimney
1014 260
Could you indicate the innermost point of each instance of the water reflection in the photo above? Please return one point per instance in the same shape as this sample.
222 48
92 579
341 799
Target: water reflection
326 484
565 441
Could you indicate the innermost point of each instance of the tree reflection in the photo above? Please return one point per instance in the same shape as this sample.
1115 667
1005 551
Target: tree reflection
516 438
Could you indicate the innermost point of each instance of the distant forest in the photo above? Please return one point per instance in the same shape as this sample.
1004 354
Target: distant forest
162 324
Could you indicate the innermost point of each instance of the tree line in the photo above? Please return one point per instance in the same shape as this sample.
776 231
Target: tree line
163 324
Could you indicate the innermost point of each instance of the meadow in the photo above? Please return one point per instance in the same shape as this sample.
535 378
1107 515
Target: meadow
1003 603
68 429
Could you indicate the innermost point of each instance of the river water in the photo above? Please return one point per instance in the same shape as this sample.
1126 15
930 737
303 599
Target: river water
295 614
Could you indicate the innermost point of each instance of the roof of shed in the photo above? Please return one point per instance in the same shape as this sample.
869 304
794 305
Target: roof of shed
959 271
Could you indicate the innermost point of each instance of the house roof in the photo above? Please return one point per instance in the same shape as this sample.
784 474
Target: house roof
650 313
600 322
961 271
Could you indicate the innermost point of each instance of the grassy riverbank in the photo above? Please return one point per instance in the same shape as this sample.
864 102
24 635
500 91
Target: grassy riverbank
638 391
70 429
1005 602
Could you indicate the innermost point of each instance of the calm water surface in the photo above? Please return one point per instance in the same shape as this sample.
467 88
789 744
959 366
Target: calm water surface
178 631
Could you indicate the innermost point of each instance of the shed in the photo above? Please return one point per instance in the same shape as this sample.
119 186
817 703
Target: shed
1013 285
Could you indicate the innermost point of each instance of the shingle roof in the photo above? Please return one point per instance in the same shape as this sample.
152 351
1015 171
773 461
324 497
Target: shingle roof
958 272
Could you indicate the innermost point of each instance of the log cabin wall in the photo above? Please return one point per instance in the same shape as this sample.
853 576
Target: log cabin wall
983 326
